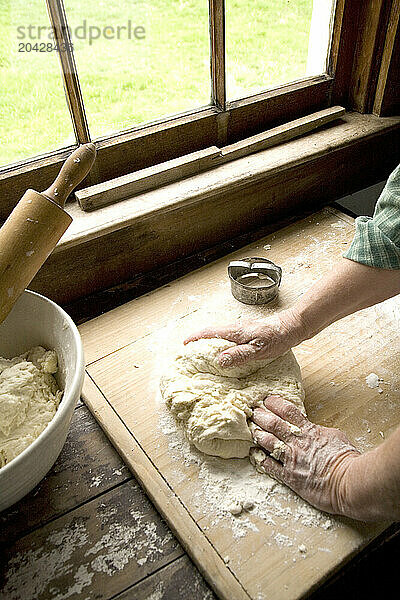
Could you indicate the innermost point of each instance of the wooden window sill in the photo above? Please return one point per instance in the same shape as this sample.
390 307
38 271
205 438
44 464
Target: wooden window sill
116 242
225 178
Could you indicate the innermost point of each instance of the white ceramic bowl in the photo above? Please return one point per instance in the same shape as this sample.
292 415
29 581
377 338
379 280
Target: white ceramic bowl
37 321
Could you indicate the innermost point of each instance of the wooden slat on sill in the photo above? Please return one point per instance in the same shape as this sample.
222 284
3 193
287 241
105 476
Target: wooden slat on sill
282 133
277 106
141 181
97 550
86 467
131 185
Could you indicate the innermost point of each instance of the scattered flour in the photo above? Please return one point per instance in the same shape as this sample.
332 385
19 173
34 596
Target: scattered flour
97 480
158 592
30 572
339 225
82 578
118 546
235 495
236 508
372 380
283 540
35 573
389 308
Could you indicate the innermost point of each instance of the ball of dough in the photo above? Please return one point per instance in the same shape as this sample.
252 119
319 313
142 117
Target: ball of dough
213 403
235 508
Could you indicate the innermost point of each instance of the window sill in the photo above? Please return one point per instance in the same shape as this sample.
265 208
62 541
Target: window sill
229 177
115 243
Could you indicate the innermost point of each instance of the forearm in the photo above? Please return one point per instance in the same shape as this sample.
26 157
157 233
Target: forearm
349 287
370 487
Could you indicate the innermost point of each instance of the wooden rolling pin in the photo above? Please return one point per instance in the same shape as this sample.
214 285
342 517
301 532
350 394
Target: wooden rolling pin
34 227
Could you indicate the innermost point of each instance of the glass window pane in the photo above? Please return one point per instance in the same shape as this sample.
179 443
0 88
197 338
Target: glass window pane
34 113
139 60
272 42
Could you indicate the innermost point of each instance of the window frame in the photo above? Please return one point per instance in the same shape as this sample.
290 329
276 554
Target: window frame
222 122
69 73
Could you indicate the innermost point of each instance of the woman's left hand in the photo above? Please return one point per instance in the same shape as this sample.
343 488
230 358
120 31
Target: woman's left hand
312 460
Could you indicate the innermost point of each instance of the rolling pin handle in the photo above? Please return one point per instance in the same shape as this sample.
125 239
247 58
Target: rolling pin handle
73 171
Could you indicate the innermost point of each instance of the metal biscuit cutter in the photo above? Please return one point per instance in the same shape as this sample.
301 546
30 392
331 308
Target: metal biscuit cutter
254 280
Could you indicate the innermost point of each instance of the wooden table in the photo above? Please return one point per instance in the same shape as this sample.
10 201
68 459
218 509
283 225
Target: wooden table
89 531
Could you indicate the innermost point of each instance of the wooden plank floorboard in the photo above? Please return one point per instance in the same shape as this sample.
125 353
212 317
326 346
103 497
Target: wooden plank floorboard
95 551
179 580
87 466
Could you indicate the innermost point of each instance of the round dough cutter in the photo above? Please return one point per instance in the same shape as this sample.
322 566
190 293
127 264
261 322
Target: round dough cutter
254 280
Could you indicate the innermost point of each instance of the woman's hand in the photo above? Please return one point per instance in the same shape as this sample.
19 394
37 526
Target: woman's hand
312 460
255 340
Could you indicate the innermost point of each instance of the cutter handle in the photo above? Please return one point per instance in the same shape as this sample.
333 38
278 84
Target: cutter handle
75 168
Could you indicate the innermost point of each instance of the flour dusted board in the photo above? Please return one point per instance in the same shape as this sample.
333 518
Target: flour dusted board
261 553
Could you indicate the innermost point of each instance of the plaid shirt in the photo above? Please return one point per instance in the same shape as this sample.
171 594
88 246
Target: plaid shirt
376 242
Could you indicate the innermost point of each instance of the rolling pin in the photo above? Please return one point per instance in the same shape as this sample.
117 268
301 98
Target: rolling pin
34 227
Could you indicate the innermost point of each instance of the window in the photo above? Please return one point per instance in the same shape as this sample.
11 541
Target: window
272 43
34 114
139 61
125 94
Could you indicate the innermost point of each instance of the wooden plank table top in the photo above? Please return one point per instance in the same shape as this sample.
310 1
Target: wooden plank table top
88 531
126 349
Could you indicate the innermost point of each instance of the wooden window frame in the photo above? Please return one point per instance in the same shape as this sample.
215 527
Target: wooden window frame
58 19
364 33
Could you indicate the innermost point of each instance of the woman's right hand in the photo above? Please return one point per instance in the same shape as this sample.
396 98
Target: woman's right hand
255 339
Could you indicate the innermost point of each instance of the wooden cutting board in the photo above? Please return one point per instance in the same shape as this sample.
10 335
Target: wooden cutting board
284 556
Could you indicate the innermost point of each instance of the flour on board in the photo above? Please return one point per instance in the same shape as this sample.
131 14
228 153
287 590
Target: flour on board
227 483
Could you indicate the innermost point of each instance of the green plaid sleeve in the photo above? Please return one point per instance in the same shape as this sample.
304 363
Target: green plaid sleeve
376 242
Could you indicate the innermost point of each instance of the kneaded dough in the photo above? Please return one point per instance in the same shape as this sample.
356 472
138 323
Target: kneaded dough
213 403
29 398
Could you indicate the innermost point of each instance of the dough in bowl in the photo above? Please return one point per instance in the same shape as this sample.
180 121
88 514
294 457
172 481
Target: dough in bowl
29 398
213 403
